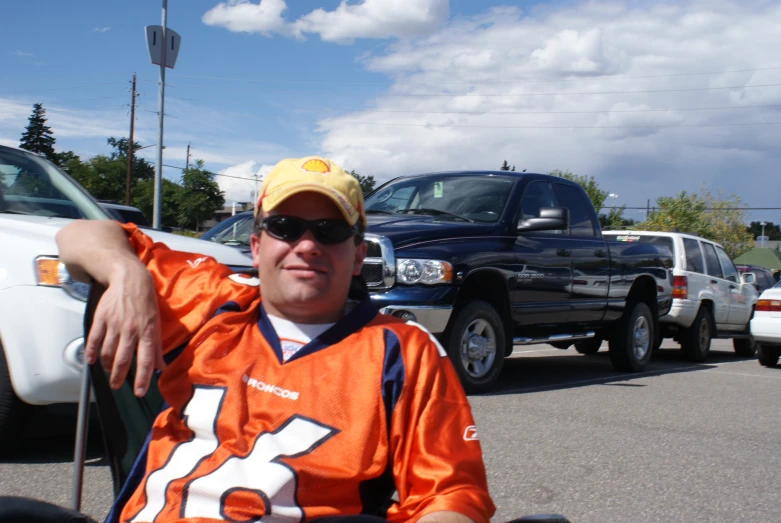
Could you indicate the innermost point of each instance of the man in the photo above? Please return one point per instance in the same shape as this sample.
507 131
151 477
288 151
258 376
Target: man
295 402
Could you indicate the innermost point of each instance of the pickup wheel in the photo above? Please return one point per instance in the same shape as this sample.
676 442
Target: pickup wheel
476 345
768 356
11 409
632 339
695 340
590 346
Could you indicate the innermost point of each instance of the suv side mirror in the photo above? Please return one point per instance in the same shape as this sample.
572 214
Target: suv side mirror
550 219
749 277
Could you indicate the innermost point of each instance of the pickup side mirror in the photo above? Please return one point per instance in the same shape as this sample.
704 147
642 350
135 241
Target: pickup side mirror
748 277
550 219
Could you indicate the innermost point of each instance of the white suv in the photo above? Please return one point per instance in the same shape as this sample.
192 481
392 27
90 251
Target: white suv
41 307
710 298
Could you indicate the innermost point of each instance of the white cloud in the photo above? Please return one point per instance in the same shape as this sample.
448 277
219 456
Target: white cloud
368 19
265 17
587 87
239 181
21 53
101 29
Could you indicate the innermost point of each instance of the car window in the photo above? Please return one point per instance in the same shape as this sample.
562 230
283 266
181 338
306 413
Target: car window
730 272
712 261
693 256
580 216
536 196
236 230
764 282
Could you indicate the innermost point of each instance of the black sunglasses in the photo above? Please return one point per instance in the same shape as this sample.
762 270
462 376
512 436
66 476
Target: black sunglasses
291 228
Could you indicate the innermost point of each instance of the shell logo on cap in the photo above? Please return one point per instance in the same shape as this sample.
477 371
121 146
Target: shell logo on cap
316 165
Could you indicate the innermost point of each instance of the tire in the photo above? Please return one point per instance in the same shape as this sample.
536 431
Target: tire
695 340
745 347
11 409
768 356
632 339
590 346
476 345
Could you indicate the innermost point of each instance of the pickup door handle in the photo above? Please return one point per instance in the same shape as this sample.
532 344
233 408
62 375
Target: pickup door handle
714 281
599 253
563 252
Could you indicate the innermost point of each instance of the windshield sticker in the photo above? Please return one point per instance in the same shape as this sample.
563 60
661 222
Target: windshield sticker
438 189
625 238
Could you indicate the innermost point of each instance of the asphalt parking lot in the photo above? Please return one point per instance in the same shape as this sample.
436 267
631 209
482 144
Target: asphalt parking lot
562 433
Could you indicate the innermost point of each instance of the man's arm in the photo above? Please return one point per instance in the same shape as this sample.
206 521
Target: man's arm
127 319
444 516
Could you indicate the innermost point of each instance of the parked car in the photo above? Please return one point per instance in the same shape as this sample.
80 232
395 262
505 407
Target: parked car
763 278
766 326
41 307
126 214
710 299
489 260
234 231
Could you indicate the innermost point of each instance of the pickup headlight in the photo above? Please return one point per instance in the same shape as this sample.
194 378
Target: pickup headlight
429 272
51 272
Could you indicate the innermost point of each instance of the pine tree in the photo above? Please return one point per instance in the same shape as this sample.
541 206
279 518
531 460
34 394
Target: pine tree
505 166
38 136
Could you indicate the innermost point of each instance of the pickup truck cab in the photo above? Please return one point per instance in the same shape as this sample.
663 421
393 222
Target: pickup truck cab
41 307
488 260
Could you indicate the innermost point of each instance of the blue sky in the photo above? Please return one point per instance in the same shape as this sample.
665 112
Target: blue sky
650 98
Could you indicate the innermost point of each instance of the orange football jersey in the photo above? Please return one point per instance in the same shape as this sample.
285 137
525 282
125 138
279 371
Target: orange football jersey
370 407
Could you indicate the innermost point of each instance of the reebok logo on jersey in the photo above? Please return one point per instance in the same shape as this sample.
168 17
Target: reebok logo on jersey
195 263
267 387
470 434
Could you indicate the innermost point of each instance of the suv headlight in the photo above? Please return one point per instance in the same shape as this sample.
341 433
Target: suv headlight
428 272
51 272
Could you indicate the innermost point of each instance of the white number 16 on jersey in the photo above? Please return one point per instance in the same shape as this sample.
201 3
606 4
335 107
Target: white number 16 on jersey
260 472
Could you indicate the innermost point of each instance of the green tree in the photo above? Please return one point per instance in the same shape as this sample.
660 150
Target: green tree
589 184
67 160
142 196
200 196
712 217
38 136
367 182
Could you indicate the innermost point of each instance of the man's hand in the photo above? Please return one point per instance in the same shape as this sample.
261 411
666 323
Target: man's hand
127 323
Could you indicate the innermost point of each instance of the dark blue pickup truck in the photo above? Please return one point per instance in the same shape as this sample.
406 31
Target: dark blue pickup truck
489 260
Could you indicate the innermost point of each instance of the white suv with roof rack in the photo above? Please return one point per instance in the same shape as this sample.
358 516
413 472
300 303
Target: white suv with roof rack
710 298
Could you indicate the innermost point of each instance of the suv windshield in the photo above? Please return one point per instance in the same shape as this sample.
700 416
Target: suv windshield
30 185
479 198
236 230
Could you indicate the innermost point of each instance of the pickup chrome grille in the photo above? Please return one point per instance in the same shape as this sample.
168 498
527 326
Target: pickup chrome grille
379 266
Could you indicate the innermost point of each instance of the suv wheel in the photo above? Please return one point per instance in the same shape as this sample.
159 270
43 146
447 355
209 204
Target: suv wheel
745 347
590 346
632 339
768 356
11 409
695 340
476 345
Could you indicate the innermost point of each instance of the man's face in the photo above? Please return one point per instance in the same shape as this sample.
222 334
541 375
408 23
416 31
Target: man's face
305 281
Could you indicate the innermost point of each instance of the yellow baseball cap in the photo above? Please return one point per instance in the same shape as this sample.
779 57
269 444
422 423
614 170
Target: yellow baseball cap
312 173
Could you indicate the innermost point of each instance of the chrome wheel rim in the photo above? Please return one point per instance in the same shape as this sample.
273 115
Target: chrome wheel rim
478 348
641 338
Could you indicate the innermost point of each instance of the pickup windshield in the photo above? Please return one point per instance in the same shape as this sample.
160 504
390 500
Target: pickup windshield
30 185
476 198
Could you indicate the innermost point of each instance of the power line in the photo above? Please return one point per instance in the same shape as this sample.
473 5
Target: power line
209 172
508 82
481 95
72 101
64 88
447 126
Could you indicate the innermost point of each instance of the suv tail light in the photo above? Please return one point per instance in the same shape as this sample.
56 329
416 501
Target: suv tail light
769 305
680 287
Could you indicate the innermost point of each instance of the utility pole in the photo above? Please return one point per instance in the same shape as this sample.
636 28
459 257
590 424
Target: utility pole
187 163
161 110
130 142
